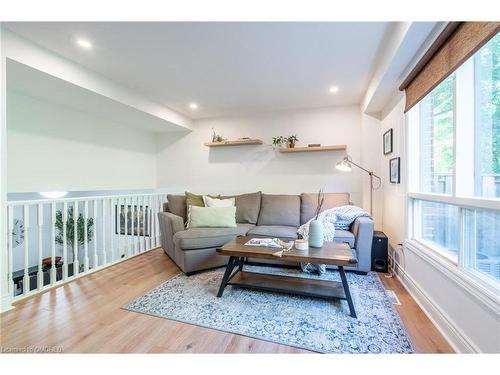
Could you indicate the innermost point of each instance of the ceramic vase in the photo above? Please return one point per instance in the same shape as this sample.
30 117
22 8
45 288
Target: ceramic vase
315 233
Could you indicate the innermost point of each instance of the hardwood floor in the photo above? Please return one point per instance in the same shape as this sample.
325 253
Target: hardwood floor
85 316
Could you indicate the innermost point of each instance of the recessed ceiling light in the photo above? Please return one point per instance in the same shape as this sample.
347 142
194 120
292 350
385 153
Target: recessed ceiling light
193 105
84 43
334 89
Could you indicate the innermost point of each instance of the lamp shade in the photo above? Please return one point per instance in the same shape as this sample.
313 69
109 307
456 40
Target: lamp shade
344 165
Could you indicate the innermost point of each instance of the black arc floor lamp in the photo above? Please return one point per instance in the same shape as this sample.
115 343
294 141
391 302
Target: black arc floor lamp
345 165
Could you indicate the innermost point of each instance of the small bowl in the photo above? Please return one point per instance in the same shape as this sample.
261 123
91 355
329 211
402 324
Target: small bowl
301 244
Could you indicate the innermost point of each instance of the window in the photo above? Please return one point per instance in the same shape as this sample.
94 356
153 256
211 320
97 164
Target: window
436 139
487 119
482 242
454 165
436 225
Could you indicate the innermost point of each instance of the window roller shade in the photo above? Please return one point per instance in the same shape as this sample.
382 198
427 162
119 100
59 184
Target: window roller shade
457 42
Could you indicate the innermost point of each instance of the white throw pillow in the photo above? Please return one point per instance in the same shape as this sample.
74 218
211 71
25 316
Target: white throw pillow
211 217
216 202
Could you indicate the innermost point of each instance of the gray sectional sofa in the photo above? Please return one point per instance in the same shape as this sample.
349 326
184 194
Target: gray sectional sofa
257 215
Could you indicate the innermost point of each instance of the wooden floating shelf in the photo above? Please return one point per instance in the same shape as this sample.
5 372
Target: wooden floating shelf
313 149
238 142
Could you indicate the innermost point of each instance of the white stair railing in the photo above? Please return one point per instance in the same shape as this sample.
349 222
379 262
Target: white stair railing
87 233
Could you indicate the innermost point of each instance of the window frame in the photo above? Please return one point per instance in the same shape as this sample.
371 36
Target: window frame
460 196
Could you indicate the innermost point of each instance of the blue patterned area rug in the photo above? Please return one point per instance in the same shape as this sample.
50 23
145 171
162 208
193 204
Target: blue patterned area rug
315 324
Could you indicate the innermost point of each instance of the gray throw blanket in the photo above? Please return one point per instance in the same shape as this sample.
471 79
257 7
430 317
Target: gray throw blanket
339 218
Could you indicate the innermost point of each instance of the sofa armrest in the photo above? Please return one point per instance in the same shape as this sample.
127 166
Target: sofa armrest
362 228
169 225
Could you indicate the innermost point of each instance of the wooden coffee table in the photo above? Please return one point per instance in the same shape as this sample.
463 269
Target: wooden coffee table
339 254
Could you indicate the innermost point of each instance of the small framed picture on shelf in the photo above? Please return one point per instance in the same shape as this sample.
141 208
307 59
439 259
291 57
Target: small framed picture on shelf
394 170
388 142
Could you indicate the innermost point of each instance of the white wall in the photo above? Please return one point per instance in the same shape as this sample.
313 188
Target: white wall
394 195
371 154
55 148
5 293
463 311
185 163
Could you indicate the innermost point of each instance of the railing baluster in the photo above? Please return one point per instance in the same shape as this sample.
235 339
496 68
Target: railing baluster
85 237
138 213
39 274
96 259
118 226
134 225
158 209
53 270
10 226
150 218
104 257
76 256
26 278
111 231
65 241
125 213
137 227
144 223
152 229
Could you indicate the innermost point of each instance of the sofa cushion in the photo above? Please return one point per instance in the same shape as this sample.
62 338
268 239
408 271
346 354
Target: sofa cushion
211 217
344 236
202 238
176 204
272 231
218 202
280 210
309 202
194 200
247 207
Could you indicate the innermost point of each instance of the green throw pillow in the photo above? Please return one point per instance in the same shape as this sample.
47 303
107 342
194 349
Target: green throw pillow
211 217
194 200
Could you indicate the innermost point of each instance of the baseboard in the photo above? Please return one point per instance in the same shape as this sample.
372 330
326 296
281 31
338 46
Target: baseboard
457 339
6 304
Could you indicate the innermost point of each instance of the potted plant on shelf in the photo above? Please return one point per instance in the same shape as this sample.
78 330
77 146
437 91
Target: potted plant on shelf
278 141
291 140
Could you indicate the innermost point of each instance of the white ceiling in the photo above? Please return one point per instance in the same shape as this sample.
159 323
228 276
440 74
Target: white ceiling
227 68
32 82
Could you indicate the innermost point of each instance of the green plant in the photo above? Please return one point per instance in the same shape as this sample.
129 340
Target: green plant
70 229
278 140
292 139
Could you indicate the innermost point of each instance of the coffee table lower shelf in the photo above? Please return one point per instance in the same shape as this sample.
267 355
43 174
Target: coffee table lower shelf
289 285
286 284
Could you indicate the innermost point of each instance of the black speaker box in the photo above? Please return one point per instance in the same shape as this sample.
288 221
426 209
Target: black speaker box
380 248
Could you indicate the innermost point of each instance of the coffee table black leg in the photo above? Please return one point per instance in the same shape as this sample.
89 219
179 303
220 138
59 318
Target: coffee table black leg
346 291
229 268
242 261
